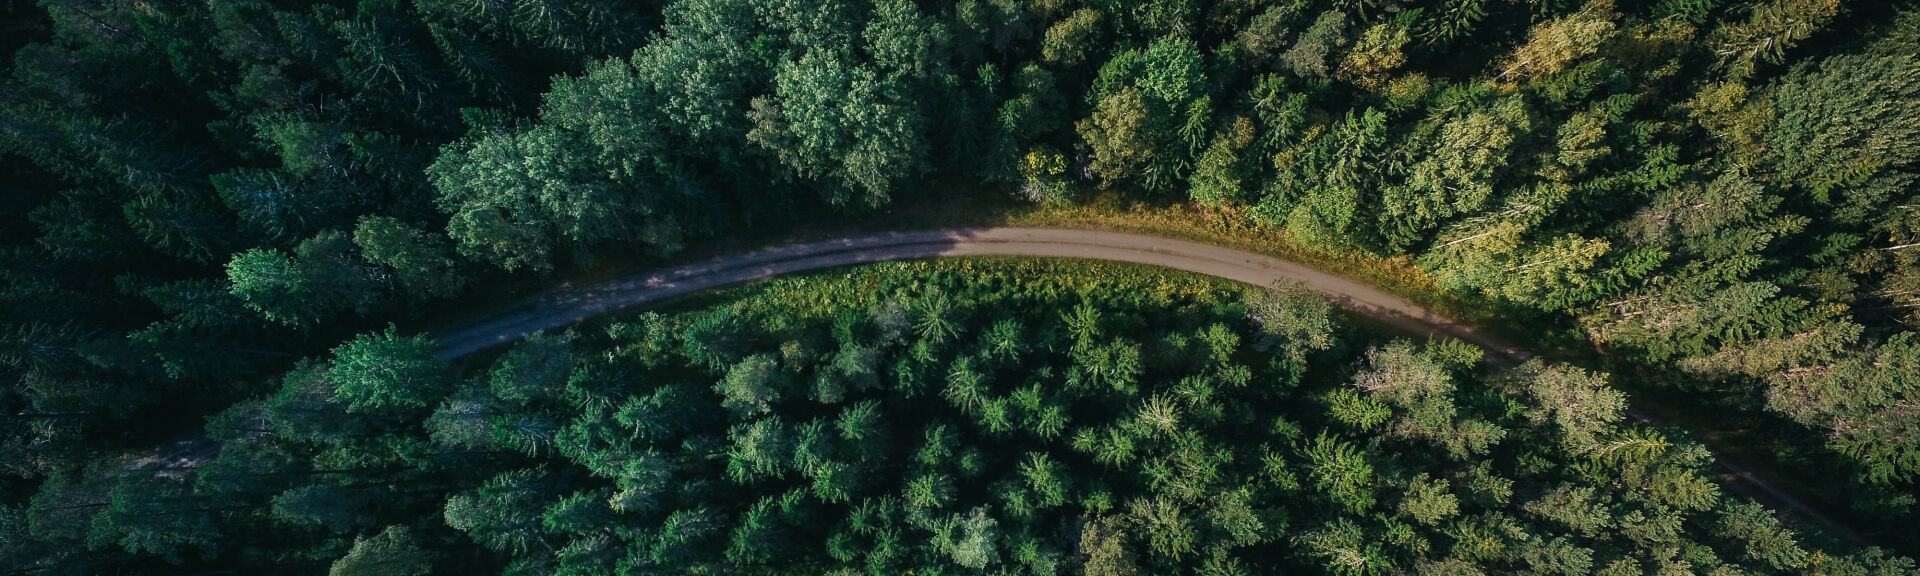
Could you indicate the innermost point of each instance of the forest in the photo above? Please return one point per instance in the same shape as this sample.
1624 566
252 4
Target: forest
999 417
230 224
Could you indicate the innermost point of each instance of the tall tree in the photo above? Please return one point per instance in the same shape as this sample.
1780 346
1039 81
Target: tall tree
842 125
386 373
392 552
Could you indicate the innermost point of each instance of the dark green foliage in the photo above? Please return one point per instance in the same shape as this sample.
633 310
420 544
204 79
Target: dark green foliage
388 373
148 147
1862 400
504 514
323 505
1187 450
1147 106
391 552
420 261
513 194
200 193
1847 122
275 286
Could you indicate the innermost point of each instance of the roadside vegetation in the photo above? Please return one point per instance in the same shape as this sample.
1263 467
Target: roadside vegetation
1712 199
974 416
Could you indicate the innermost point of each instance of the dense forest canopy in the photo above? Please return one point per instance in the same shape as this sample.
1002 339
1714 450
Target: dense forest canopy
958 418
206 198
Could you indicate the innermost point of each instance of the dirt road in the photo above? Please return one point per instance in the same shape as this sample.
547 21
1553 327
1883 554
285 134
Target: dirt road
568 304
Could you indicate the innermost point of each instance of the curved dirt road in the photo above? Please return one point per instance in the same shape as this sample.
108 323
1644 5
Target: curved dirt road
566 305
569 304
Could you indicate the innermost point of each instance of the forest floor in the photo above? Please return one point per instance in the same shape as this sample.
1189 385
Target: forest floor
572 303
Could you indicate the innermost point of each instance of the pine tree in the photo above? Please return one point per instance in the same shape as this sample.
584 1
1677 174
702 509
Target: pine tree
385 373
392 552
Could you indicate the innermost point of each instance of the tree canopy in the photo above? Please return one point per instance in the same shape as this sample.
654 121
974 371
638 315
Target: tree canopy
245 212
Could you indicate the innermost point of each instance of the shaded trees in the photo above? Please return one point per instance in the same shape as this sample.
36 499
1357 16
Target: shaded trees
421 261
392 552
1865 400
518 194
1718 189
387 373
324 276
1186 449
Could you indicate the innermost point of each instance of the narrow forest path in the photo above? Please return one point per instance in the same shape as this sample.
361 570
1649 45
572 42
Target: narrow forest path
567 304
